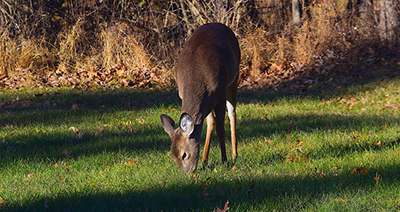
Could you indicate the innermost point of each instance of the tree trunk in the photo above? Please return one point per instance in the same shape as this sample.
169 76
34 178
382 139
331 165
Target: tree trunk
362 9
388 21
365 11
296 12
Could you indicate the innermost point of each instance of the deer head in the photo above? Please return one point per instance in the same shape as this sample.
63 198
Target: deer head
185 145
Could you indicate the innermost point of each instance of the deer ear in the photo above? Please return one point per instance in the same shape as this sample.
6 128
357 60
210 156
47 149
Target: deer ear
186 124
167 123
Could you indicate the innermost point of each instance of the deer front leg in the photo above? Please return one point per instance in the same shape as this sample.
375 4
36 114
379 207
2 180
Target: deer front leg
210 130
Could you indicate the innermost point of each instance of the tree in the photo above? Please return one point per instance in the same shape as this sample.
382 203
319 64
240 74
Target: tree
388 21
296 12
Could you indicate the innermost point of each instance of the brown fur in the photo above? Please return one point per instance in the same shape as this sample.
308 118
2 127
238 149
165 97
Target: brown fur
207 75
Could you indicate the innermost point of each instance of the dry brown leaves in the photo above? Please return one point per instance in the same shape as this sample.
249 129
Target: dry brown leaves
118 76
226 208
287 76
298 76
322 69
359 171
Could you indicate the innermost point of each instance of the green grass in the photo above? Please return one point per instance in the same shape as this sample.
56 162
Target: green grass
296 152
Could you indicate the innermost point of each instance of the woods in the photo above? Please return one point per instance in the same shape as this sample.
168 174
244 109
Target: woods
136 43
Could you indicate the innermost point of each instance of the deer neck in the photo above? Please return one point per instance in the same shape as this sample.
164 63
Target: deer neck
195 111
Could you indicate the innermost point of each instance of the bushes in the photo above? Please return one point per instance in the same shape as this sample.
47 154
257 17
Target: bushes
139 41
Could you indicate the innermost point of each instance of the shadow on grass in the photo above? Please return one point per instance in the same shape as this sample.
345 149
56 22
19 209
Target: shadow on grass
267 192
334 84
313 121
66 99
147 139
59 146
69 106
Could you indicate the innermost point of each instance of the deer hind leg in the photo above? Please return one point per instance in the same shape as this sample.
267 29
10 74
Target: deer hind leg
219 119
231 107
210 130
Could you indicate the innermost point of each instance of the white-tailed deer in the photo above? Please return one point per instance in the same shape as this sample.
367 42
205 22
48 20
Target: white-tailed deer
207 76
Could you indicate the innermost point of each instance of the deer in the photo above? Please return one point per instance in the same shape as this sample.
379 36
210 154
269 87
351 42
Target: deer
207 79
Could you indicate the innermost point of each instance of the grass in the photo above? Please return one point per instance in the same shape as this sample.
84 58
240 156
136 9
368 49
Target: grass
319 151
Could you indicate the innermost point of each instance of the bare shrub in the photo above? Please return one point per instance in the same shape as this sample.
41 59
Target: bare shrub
36 56
8 52
73 44
30 54
257 51
121 46
325 30
141 39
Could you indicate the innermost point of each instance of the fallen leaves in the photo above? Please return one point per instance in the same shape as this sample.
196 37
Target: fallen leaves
30 177
359 171
294 158
75 106
74 129
297 146
129 163
78 135
99 132
322 174
269 141
385 102
2 203
297 155
396 205
38 94
363 171
377 178
226 208
63 165
341 200
92 77
349 102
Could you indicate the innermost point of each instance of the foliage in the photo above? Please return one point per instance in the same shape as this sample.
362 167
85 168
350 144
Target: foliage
55 43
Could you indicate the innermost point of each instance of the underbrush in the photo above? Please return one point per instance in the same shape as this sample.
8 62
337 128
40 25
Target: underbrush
138 47
82 45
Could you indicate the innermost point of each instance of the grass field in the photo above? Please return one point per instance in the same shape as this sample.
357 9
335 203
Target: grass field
332 149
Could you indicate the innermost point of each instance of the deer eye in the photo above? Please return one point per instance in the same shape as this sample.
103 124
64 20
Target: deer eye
184 156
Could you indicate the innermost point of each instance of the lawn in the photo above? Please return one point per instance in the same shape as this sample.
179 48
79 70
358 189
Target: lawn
335 148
